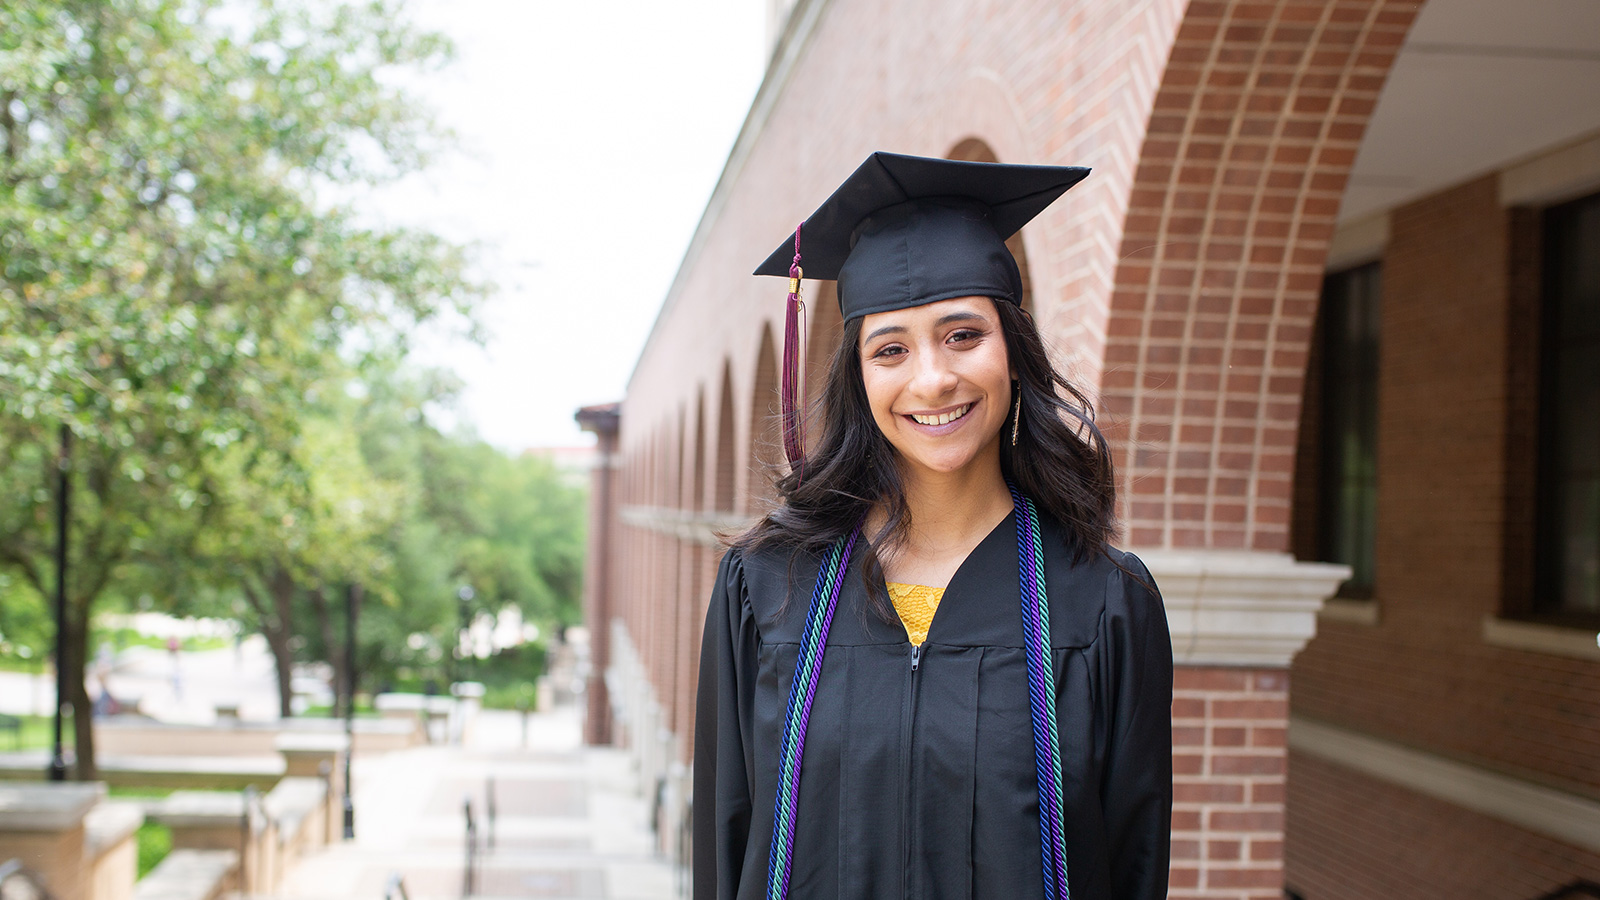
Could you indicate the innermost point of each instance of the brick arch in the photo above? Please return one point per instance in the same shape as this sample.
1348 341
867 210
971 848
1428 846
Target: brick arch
696 477
724 482
765 452
973 149
1254 128
825 326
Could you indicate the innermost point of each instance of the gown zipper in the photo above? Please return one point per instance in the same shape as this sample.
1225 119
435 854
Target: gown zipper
909 720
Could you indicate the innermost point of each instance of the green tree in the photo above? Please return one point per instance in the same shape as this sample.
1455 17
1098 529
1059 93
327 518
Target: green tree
510 527
170 287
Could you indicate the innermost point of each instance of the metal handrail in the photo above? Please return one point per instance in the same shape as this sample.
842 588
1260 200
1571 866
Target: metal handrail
469 873
395 888
13 868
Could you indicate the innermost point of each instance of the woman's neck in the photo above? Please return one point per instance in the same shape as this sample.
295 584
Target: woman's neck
950 514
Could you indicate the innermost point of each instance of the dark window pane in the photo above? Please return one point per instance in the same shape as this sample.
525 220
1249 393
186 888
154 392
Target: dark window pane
1349 477
1569 433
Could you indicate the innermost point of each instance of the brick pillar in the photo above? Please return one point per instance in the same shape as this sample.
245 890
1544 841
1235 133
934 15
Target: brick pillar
1229 765
604 421
1237 619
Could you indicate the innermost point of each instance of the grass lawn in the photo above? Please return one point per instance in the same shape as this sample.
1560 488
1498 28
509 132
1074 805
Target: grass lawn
154 841
36 734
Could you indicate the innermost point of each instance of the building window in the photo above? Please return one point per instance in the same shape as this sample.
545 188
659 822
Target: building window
1568 555
1347 451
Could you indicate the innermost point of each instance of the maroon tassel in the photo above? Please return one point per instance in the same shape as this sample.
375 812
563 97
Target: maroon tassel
794 435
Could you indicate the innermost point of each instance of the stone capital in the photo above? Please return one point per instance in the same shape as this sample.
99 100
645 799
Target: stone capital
1240 608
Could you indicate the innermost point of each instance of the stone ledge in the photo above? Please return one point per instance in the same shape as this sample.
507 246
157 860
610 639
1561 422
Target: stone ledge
47 807
1565 816
292 800
1537 637
1343 609
189 875
699 528
321 743
1240 608
199 809
109 824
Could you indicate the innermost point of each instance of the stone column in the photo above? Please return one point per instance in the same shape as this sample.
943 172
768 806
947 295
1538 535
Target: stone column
311 755
1237 619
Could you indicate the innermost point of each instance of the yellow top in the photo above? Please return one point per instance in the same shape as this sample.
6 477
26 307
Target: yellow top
916 604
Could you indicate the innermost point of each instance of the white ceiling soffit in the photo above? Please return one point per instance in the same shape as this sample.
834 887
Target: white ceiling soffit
1479 84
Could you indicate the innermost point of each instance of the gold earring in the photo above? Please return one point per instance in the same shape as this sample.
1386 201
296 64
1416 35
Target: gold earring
1016 416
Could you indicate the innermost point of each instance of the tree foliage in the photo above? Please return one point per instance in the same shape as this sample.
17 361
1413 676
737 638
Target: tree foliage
173 292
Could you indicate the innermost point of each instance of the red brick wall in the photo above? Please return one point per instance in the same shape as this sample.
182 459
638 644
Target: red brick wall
1260 113
1352 837
1228 767
1423 675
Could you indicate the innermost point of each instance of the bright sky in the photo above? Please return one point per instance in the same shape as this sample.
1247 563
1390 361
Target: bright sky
591 134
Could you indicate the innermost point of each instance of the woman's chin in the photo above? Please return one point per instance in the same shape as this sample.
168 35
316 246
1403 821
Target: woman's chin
952 463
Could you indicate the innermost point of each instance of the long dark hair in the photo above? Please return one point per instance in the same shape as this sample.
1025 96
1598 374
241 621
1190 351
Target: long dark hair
1060 461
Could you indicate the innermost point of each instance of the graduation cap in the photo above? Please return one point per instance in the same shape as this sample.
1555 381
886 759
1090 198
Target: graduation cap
902 231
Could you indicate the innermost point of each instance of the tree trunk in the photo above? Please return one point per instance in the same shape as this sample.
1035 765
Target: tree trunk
282 587
334 652
275 629
74 659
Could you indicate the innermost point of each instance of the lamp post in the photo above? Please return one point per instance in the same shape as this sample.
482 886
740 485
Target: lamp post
58 759
352 603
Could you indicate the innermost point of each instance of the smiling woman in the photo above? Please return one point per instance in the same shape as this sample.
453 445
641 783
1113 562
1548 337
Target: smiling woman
958 503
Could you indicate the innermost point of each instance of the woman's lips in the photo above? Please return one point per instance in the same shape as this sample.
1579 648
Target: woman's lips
940 420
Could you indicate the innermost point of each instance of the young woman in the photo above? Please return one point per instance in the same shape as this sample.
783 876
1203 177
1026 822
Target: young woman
927 673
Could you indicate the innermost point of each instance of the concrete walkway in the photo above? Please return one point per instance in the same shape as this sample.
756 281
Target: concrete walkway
570 821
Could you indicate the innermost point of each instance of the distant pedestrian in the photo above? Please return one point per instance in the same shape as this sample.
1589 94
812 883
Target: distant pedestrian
174 648
103 664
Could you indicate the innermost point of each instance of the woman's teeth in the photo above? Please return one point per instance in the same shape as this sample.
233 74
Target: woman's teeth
942 418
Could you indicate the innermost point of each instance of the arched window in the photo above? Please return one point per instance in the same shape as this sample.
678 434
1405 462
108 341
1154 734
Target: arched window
766 461
723 485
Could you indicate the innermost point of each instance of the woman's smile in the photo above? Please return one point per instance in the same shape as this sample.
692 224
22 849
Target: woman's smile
941 418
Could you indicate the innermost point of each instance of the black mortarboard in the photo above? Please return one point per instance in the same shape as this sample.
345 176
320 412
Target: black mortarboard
902 231
907 230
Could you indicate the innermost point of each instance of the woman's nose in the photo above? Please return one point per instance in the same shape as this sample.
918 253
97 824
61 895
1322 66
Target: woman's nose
933 377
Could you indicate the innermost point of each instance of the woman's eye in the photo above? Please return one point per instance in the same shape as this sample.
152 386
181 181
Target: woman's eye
889 351
964 334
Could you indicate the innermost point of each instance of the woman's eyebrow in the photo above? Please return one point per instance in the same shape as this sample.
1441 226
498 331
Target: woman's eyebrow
963 316
887 329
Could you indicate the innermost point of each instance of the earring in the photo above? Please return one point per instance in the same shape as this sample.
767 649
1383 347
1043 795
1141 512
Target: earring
1016 416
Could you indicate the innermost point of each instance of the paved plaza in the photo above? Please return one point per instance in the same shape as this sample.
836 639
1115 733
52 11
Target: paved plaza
570 821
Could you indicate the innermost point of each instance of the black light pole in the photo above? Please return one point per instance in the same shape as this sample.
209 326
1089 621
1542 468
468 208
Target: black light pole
352 603
58 760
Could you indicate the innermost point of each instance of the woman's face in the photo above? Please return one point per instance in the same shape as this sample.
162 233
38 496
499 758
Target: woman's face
939 382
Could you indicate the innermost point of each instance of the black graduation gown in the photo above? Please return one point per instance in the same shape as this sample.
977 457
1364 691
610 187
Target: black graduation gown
922 783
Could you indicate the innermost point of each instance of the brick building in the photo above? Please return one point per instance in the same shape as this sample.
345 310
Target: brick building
1335 282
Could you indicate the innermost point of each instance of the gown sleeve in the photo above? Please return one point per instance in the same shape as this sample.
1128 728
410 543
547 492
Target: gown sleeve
723 763
1137 790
